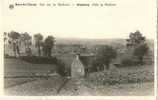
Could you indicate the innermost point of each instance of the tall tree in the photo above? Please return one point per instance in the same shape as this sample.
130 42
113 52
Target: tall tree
38 42
105 54
137 45
48 45
5 39
26 39
14 37
135 39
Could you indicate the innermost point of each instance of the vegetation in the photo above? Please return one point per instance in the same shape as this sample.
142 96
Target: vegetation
128 62
133 74
140 51
39 60
26 40
48 45
105 55
135 39
38 42
138 46
14 40
5 39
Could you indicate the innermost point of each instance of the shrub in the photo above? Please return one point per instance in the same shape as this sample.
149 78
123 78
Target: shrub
47 60
8 56
115 77
61 68
39 60
128 62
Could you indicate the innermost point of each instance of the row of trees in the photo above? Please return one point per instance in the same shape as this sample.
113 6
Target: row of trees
44 45
104 55
17 39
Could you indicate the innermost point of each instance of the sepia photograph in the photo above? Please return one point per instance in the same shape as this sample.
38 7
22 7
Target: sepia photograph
59 48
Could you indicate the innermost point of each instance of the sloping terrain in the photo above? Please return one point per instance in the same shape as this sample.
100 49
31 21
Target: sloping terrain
54 85
79 87
18 72
17 67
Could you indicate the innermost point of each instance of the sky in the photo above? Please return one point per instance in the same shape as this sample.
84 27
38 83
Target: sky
82 22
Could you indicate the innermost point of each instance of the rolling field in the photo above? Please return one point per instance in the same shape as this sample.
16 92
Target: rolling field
19 72
19 80
16 67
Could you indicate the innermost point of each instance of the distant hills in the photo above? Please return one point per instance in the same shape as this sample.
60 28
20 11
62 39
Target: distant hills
116 42
85 41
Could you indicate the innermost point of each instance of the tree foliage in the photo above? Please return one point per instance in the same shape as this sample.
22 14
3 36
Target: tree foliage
5 36
14 37
140 51
135 39
5 39
105 55
26 39
137 44
48 45
38 42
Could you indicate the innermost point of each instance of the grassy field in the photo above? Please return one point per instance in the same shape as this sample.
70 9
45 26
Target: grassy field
133 74
16 67
49 87
24 84
17 72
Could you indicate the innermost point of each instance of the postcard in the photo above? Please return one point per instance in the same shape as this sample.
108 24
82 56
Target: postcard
79 49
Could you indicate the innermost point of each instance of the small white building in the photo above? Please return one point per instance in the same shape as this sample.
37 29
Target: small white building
77 68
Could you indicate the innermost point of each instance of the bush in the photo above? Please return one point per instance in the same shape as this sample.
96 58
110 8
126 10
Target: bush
115 77
45 60
8 56
39 60
128 62
61 68
48 60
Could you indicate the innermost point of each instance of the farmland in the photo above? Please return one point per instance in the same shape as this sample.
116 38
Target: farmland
100 67
28 85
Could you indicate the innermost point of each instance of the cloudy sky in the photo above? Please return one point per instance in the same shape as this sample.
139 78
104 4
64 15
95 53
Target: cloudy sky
83 22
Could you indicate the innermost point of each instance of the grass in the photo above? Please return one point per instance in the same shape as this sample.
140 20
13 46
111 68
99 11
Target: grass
43 87
17 72
11 82
50 86
134 74
16 67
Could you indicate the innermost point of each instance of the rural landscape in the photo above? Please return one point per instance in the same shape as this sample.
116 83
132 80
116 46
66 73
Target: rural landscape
38 65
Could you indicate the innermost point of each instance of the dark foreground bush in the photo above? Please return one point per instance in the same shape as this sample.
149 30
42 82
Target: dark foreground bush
45 60
128 62
61 68
39 60
9 57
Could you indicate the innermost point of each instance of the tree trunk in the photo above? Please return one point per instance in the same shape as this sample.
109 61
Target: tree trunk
141 60
14 49
18 50
4 49
39 50
50 49
25 47
104 67
107 66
